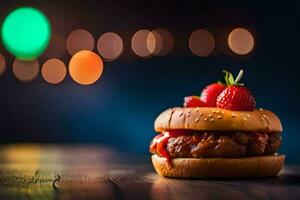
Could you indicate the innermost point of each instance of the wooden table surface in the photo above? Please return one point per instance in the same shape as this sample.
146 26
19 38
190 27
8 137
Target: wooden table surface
96 172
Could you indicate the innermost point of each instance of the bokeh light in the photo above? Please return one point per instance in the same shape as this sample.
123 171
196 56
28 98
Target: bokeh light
25 33
241 41
85 67
25 71
56 47
110 46
78 40
160 42
2 64
202 42
29 154
153 42
54 71
139 43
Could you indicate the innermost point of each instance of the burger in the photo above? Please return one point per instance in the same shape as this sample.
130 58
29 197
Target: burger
220 134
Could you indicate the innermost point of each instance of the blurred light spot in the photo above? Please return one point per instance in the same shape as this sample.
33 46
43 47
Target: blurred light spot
57 46
25 70
22 154
2 64
54 71
151 42
202 42
110 46
80 40
241 41
26 32
139 43
160 42
85 67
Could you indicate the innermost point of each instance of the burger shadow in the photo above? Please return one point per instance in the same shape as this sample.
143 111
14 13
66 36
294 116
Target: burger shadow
283 186
288 179
288 176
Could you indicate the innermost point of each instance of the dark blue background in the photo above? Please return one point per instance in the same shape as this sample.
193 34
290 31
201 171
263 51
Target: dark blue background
120 108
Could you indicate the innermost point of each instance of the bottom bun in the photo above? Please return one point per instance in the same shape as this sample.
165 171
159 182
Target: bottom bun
250 167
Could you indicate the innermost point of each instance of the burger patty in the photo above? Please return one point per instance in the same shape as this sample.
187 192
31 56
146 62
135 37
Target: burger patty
220 144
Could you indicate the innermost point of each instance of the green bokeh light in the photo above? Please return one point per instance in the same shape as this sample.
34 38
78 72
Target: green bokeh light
26 33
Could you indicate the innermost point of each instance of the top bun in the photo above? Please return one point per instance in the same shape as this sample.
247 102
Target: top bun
216 119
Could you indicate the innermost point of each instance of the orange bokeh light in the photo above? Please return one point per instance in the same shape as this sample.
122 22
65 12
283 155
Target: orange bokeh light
2 64
54 71
241 41
110 46
85 67
78 40
153 42
26 70
163 42
202 42
139 43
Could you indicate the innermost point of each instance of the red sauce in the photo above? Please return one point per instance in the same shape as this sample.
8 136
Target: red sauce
161 141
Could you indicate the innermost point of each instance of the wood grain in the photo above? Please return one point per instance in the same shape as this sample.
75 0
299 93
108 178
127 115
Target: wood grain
95 172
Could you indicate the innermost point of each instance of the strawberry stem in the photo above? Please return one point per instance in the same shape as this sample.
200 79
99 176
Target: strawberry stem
239 76
229 78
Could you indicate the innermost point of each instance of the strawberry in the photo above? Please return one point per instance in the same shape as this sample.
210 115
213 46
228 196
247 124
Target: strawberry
210 93
236 96
193 101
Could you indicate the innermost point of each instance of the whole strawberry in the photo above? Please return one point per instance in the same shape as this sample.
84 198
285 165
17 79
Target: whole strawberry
236 96
210 93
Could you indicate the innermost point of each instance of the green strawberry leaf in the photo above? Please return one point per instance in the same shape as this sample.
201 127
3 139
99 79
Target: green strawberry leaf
229 78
